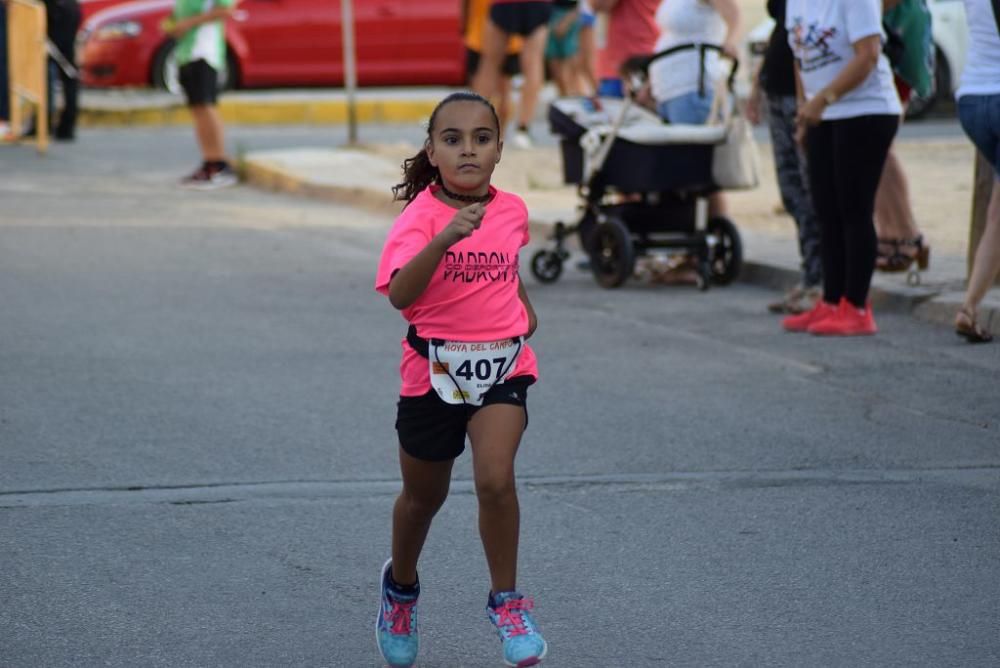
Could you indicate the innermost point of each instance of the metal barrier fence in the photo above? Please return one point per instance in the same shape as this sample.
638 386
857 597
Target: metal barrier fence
27 63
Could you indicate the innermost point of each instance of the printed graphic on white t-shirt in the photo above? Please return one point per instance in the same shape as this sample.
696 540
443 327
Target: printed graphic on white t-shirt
822 34
816 50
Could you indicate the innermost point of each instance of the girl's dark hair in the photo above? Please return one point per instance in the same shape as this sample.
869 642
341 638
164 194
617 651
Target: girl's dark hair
418 172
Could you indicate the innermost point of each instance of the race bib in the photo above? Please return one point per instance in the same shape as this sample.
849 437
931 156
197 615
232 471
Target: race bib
463 372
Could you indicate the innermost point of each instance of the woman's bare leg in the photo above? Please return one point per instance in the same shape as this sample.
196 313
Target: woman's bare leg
486 82
986 264
893 210
533 69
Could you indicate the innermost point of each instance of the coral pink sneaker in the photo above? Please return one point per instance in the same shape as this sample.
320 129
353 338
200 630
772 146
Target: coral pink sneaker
802 321
849 320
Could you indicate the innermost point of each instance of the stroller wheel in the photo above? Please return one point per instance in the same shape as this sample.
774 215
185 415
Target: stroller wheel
725 250
613 256
546 266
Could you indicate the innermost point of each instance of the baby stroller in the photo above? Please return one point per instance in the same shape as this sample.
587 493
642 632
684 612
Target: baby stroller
643 186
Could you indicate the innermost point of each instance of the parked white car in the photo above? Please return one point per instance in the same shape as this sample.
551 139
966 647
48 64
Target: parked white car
950 35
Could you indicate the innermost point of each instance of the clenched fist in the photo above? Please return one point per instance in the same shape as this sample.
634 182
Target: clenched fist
463 224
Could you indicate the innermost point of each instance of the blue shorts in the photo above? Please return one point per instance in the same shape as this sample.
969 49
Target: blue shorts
980 117
690 108
567 46
611 88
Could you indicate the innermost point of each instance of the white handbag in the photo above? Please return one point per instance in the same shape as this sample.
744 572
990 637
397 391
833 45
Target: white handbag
735 163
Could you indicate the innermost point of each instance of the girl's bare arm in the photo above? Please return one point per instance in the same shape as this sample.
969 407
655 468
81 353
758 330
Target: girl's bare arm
532 318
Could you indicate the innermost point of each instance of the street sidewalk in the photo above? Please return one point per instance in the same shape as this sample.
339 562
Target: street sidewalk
364 176
939 169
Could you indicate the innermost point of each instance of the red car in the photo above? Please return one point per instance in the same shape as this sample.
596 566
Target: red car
90 7
283 43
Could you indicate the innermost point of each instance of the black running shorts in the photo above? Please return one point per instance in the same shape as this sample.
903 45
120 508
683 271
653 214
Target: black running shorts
200 82
521 18
434 431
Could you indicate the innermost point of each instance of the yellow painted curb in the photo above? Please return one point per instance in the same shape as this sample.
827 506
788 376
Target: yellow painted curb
256 112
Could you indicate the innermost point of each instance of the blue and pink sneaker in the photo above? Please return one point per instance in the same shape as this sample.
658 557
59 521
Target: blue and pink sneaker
396 626
523 644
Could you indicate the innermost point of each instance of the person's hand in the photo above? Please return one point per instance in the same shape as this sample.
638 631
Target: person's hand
463 224
800 135
644 96
731 48
172 28
564 24
809 115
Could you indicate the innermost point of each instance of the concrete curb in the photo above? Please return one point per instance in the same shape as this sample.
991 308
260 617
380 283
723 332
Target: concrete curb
942 308
264 112
271 176
892 300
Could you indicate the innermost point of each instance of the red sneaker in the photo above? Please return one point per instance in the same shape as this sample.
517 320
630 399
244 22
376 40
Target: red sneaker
849 320
802 321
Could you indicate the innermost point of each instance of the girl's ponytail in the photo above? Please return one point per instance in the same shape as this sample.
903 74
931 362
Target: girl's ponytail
418 173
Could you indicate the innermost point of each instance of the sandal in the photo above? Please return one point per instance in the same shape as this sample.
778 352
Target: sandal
896 255
967 327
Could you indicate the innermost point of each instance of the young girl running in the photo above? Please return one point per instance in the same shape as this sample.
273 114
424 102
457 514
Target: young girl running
450 265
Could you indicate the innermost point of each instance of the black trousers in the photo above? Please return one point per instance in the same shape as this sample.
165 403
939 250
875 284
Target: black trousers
845 159
62 32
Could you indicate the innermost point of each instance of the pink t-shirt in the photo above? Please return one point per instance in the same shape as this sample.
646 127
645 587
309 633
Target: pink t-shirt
473 294
632 31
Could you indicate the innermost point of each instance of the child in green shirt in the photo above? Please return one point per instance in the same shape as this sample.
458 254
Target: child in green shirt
199 28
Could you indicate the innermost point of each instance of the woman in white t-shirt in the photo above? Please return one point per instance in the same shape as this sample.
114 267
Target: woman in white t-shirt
683 84
979 111
848 116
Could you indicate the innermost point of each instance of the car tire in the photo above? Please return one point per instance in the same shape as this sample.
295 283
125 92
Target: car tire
942 75
164 74
164 70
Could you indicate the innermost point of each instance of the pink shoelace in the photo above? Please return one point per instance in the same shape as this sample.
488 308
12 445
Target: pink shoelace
509 615
399 616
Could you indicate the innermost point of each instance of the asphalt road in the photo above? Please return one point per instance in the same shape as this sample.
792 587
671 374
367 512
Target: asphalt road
197 457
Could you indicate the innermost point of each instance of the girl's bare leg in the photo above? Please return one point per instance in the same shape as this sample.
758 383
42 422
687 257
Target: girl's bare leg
425 487
495 433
